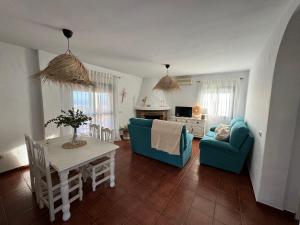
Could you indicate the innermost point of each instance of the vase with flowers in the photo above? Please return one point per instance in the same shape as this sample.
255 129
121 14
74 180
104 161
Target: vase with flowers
73 118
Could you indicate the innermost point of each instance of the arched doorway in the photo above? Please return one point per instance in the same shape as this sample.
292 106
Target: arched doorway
272 115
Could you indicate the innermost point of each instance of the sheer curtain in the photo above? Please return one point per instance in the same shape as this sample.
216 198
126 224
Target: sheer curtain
220 98
98 102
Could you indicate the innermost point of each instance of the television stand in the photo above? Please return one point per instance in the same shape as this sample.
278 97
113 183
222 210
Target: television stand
195 126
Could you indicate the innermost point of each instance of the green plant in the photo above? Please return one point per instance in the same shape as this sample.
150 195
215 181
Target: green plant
71 118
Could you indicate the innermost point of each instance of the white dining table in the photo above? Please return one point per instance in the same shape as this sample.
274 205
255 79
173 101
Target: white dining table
64 160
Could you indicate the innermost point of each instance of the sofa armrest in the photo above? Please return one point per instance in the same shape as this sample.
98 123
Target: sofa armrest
212 128
189 139
218 145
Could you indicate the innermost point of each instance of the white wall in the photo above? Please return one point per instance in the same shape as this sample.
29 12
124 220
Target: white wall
51 94
269 162
21 104
154 97
188 95
282 117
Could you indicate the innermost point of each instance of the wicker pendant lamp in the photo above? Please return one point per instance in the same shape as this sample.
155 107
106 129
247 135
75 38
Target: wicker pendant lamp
66 68
167 83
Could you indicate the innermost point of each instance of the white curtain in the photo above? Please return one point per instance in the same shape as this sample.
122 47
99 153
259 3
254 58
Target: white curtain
220 98
98 102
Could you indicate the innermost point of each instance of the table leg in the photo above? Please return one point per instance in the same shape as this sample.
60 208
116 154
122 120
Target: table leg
64 190
112 169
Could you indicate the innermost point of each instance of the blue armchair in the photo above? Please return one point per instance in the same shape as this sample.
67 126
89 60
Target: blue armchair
230 155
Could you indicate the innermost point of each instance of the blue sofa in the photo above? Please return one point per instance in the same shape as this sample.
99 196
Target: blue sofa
140 138
227 155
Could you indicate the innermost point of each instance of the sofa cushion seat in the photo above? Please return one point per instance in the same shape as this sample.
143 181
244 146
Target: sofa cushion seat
217 145
211 134
206 137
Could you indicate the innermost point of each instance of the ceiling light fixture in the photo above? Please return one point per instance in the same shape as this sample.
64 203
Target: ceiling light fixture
66 68
167 83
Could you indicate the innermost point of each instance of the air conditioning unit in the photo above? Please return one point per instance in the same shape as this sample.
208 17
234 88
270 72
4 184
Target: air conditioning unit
183 80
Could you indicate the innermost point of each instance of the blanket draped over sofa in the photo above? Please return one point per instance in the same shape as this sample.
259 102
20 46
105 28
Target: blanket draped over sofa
165 135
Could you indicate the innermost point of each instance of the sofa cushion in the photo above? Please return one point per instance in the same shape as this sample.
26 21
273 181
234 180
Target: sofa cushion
223 134
239 132
141 122
236 119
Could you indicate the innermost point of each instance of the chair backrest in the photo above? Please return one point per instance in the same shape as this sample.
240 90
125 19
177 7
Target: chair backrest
106 134
42 163
95 131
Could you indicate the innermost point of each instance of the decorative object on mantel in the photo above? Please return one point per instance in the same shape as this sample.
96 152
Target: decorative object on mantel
144 100
196 111
72 118
167 83
66 68
123 95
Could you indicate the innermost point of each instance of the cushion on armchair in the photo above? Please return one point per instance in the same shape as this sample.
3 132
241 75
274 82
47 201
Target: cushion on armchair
223 134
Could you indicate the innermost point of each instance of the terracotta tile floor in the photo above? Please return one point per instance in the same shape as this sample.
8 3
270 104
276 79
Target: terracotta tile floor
148 192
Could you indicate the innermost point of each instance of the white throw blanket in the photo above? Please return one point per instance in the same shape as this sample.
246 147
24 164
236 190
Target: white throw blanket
165 136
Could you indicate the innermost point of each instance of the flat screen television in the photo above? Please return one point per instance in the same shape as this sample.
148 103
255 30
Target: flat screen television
181 111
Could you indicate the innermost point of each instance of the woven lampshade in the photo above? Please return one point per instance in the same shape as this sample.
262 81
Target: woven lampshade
64 69
167 83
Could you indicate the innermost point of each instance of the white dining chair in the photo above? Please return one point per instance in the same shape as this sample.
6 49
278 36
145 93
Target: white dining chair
49 182
32 167
106 134
99 170
94 131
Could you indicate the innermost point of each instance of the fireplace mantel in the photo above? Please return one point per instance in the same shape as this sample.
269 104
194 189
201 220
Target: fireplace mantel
152 112
151 108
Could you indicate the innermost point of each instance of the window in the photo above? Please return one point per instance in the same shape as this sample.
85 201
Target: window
96 104
218 97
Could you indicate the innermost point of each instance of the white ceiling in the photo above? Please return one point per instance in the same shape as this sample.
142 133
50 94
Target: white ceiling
137 36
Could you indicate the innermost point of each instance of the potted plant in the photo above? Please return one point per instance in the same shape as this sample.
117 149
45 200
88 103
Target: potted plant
124 132
72 118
